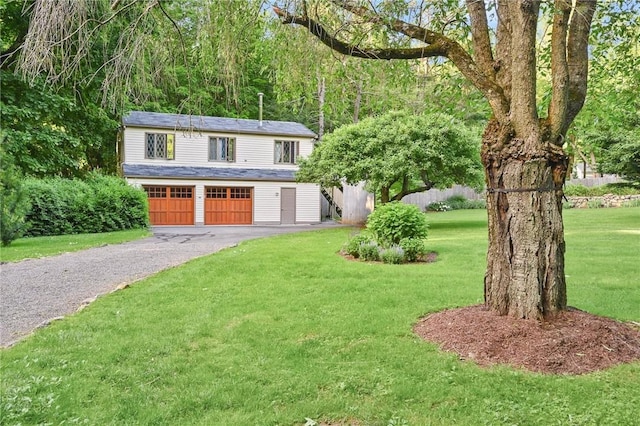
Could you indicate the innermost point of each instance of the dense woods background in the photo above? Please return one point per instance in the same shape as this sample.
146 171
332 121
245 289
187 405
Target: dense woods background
60 114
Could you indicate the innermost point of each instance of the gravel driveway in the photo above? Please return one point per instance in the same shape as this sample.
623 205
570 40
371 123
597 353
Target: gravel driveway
36 291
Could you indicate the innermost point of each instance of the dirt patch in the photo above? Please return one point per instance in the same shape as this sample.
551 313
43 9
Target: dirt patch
573 342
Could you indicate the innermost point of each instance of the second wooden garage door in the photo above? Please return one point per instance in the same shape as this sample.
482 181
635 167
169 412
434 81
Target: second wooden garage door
228 205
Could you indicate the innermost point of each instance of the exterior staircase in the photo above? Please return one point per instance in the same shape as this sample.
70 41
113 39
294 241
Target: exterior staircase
334 197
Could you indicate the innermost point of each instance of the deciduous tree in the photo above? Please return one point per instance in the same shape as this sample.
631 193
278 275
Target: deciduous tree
396 154
525 164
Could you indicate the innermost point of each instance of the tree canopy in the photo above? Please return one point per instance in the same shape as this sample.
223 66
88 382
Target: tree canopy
396 154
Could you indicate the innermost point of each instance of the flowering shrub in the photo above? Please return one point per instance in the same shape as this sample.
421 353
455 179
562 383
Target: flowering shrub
438 206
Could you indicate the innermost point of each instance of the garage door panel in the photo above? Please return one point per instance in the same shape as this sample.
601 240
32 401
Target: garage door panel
157 210
215 211
170 205
229 206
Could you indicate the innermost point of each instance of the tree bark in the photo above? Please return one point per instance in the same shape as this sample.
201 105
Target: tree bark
384 195
525 260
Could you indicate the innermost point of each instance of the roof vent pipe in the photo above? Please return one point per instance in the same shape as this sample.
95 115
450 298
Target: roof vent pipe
260 95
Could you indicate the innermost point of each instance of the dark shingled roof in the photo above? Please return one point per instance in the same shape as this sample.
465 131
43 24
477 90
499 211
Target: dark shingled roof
215 124
213 173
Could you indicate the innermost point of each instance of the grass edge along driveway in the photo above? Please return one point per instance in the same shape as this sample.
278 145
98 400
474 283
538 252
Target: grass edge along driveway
36 247
281 330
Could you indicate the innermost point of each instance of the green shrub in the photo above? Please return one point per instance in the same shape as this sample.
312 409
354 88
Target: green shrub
438 206
459 202
621 188
369 251
456 200
13 202
413 248
352 246
595 204
632 203
96 204
393 255
391 222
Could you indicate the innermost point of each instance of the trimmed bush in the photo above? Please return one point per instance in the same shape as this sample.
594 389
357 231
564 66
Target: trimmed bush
413 248
438 206
97 204
456 202
13 202
352 246
595 204
571 190
369 251
393 255
391 222
459 202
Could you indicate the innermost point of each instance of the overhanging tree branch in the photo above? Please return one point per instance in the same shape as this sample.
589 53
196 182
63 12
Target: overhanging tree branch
452 50
577 58
438 45
339 46
480 34
524 21
502 64
559 69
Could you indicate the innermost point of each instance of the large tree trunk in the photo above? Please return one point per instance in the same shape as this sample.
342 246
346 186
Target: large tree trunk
525 260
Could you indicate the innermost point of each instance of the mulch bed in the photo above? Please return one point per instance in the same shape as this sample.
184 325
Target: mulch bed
573 342
430 257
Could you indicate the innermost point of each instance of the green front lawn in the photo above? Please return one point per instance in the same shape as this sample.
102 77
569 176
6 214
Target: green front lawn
31 248
276 331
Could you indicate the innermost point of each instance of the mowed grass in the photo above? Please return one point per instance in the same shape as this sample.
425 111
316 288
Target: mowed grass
281 330
31 248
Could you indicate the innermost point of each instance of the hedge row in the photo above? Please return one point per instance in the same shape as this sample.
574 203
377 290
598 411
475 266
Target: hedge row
95 204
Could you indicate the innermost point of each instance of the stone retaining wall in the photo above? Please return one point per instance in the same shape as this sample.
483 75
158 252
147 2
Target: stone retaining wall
607 200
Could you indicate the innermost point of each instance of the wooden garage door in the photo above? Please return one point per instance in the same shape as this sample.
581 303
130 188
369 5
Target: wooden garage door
228 206
170 205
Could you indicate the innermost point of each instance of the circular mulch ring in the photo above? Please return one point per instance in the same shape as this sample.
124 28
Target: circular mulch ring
572 342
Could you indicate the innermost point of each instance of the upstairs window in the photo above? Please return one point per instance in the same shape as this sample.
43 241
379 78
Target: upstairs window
159 145
285 152
222 149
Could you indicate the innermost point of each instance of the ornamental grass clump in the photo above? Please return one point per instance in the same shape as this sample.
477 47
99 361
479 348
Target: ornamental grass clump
369 251
393 255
